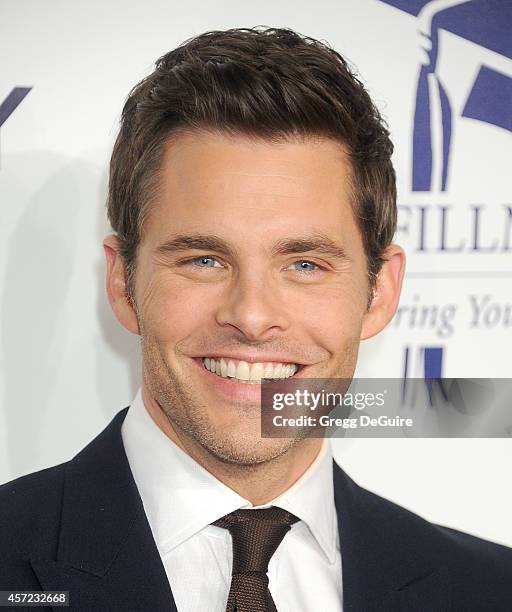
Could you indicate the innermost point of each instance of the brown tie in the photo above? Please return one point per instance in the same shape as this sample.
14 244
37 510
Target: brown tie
256 535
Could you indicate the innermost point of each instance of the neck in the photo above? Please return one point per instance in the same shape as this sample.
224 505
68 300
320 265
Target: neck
259 483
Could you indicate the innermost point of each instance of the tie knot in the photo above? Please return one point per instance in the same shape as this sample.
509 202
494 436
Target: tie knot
256 535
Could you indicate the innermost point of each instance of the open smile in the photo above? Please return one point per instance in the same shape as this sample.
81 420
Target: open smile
248 387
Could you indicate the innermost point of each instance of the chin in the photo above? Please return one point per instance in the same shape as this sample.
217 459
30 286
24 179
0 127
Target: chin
246 449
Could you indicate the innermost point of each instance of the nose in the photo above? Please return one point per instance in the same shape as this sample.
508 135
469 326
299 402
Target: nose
254 305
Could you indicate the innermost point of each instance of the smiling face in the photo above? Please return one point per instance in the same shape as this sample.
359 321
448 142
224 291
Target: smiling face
251 252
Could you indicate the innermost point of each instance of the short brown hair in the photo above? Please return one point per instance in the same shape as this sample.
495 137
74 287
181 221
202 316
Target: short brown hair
270 83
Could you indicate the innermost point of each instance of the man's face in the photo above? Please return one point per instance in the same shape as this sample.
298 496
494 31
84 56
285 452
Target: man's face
252 288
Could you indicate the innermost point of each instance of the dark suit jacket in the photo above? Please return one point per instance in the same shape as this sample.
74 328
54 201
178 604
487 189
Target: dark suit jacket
80 526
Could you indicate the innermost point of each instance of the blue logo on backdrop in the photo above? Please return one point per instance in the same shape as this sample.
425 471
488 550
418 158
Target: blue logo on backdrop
486 23
425 362
11 103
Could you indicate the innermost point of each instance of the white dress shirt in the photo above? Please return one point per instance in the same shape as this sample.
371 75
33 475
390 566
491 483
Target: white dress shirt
181 500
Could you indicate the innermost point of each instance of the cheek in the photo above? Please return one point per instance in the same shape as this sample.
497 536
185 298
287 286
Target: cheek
331 311
172 310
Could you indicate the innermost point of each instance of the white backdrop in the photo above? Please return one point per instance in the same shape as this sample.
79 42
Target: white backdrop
67 366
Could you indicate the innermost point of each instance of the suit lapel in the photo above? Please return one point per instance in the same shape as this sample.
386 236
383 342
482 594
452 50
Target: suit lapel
107 558
388 564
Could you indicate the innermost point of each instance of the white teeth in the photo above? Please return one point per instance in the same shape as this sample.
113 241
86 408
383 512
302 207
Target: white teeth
231 369
223 368
243 371
257 371
269 371
247 372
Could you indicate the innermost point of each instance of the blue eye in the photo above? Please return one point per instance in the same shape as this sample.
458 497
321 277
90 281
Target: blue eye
201 259
207 261
309 263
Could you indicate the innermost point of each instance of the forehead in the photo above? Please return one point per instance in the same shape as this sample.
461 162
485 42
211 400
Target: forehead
212 181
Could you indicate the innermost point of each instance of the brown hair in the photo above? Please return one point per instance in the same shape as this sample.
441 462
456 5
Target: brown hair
272 84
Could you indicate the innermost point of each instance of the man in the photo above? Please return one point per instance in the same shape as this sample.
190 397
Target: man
253 202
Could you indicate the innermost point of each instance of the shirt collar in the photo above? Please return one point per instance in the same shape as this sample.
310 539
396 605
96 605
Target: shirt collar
174 487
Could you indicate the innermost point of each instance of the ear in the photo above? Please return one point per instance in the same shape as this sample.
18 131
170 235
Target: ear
386 294
116 286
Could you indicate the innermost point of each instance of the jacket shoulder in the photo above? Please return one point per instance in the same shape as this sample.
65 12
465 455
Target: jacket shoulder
482 553
439 537
30 508
480 570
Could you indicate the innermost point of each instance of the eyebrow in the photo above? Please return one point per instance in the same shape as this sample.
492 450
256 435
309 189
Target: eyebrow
317 242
